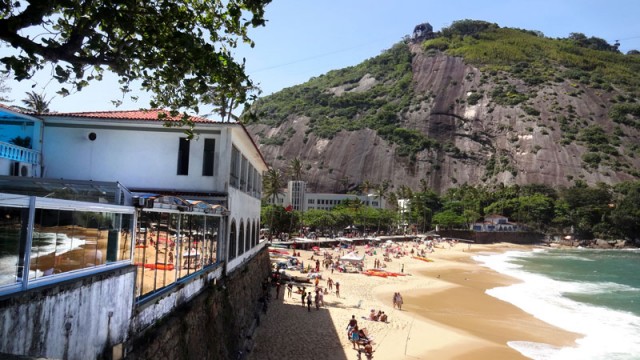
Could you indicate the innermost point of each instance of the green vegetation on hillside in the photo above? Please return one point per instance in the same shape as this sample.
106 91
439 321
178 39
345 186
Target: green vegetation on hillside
376 108
535 59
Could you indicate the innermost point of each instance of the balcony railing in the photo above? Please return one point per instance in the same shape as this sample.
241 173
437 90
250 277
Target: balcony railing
18 153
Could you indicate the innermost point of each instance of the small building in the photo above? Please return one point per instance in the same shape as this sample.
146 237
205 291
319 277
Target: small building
495 222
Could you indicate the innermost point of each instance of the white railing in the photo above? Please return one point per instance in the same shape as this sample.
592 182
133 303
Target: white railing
18 153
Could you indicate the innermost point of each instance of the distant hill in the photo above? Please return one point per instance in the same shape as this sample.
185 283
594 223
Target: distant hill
473 103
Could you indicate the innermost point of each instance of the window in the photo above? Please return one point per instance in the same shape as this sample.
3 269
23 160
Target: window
235 167
311 201
243 174
183 156
208 156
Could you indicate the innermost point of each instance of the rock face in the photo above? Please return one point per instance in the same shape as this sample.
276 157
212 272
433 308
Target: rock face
481 142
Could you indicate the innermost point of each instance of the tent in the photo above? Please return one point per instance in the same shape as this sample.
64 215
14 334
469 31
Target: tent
352 258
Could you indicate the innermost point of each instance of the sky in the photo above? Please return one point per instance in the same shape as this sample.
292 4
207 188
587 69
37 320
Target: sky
304 38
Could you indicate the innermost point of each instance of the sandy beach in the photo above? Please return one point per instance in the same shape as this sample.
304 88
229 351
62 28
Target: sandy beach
446 313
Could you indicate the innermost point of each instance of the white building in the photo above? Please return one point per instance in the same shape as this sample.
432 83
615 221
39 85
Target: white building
297 196
125 218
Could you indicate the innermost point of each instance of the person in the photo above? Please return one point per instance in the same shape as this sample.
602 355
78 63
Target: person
399 301
395 300
352 323
383 317
289 288
368 350
317 281
321 296
355 336
337 289
330 284
304 295
317 300
372 315
309 301
277 289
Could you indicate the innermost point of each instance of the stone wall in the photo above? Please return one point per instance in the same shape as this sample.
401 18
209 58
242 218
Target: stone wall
490 237
216 324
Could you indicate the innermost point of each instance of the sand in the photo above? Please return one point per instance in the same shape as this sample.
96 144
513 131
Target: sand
446 313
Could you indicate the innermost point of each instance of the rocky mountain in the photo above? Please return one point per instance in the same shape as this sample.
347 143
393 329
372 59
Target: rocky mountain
473 103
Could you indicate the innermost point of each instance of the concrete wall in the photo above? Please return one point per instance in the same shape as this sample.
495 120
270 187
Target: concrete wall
489 237
69 320
216 324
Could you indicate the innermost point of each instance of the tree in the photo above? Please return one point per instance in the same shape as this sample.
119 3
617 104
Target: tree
35 103
3 87
272 184
178 50
365 187
295 169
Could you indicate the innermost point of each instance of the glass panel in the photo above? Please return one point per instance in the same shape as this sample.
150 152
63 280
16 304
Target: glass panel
66 240
155 251
13 225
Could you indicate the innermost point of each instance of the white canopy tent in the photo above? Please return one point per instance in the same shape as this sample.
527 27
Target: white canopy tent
352 258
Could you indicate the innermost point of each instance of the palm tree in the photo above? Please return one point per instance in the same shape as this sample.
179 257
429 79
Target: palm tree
366 186
273 183
295 169
36 103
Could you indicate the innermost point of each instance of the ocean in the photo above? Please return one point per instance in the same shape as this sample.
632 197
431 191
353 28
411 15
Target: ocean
595 293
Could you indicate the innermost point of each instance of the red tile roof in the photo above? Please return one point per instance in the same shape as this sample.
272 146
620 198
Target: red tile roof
150 115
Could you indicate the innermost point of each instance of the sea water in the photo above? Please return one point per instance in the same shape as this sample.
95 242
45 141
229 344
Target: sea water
595 293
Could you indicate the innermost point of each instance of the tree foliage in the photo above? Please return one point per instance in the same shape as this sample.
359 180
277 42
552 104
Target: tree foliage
177 50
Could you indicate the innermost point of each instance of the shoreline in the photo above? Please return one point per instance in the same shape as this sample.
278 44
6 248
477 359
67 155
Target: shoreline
446 313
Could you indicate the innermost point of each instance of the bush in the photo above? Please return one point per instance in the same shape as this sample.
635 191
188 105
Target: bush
473 98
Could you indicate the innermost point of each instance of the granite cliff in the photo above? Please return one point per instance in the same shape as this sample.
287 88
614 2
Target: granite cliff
486 105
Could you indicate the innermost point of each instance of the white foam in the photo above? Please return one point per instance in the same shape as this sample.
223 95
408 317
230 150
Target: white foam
608 334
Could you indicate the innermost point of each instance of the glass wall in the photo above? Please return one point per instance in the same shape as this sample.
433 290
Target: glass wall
172 245
69 240
41 238
13 226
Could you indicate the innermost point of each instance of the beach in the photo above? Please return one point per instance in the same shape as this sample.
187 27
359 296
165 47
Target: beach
446 313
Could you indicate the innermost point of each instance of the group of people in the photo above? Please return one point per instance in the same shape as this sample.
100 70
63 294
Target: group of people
397 301
358 336
379 316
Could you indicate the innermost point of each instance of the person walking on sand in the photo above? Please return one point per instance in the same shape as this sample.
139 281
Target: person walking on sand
399 301
395 300
309 302
330 284
355 336
289 289
317 300
277 289
304 295
321 298
337 289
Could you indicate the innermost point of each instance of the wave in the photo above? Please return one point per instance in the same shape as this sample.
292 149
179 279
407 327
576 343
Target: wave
607 333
